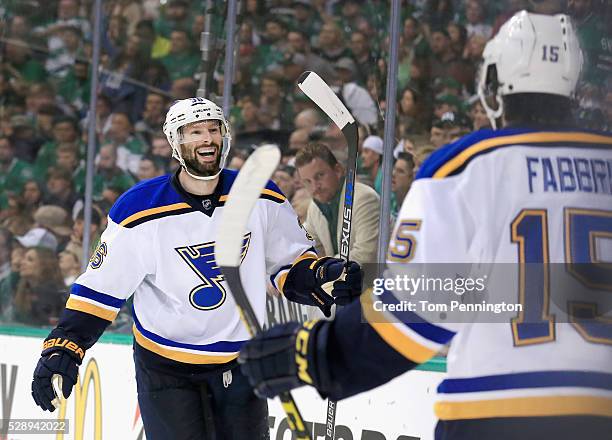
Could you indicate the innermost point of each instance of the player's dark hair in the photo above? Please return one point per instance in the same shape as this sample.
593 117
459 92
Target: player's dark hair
314 151
538 110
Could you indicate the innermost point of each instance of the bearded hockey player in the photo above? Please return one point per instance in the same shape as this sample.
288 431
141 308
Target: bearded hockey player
533 193
159 246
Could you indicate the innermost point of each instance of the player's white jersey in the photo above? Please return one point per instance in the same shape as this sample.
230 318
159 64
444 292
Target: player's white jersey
506 197
159 246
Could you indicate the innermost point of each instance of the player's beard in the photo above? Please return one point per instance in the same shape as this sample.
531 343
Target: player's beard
194 164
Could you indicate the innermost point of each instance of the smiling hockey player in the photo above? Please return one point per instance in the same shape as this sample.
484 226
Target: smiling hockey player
159 245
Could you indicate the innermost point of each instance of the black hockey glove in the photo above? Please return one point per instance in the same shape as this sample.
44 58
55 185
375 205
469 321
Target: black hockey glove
282 358
336 282
59 360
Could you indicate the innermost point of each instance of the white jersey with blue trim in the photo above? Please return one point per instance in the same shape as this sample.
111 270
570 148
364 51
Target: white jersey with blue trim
495 199
159 246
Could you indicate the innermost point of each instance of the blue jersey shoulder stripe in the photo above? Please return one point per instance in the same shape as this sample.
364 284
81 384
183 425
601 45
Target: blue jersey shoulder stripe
416 323
537 379
147 195
453 158
221 346
102 298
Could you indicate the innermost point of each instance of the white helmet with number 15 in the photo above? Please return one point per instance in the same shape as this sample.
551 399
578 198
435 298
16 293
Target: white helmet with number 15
531 53
187 111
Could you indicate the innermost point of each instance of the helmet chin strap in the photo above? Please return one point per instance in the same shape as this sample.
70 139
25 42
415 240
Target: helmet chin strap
493 115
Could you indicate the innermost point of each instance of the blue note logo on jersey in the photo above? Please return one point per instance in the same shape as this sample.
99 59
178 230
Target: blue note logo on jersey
210 294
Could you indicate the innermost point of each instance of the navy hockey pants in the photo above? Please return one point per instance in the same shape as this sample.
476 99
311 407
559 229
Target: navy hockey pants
178 408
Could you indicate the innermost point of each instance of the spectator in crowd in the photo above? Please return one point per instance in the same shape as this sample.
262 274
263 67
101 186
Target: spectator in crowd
159 46
410 111
274 108
67 158
331 44
41 292
19 63
478 115
32 195
356 98
59 64
55 220
161 150
443 129
298 140
402 177
74 88
65 131
8 285
307 119
106 173
13 172
305 17
69 264
458 37
152 116
363 56
5 254
75 245
182 61
130 10
476 15
60 189
115 36
249 116
24 139
271 52
283 177
149 167
130 147
323 178
174 17
371 159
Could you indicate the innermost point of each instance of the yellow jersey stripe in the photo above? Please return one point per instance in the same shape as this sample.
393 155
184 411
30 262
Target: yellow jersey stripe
525 407
180 356
465 155
82 306
153 211
403 344
265 191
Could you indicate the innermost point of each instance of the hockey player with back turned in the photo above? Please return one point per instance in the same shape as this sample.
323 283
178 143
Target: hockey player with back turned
159 245
535 191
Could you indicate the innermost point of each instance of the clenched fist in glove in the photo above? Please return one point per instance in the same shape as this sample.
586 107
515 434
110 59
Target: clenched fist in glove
336 282
60 359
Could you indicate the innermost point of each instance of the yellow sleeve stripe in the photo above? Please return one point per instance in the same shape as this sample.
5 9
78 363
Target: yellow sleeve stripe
82 306
153 211
525 407
388 331
267 192
309 255
181 356
465 155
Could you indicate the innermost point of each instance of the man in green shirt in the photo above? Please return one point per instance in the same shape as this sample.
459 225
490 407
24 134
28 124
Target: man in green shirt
13 172
182 61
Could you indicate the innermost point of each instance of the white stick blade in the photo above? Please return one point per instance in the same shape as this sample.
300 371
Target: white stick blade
245 192
319 92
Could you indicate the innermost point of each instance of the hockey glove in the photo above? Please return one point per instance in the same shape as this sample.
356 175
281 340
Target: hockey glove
282 358
59 363
337 281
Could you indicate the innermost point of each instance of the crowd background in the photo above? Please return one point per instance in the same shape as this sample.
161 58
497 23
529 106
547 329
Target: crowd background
150 57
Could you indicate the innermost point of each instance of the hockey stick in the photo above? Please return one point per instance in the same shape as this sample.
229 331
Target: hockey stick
323 96
245 192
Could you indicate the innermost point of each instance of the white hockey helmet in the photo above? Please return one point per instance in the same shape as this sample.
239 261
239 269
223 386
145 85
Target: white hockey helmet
531 53
190 110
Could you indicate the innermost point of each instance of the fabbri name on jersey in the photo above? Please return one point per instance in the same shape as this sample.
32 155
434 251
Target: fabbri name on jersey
569 174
